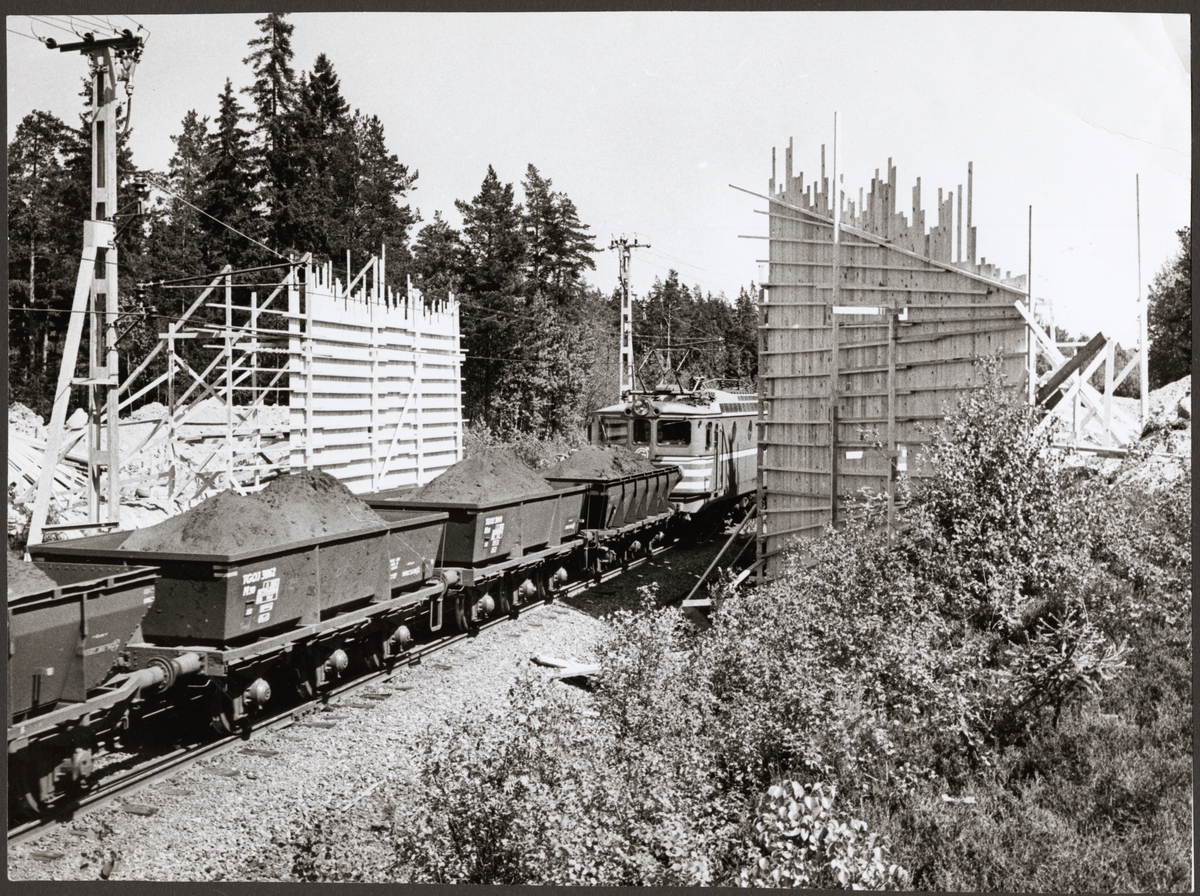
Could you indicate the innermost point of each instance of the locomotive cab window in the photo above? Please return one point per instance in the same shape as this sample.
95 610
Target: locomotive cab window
674 432
708 436
614 432
641 431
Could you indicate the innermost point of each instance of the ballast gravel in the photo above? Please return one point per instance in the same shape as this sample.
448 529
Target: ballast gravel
220 820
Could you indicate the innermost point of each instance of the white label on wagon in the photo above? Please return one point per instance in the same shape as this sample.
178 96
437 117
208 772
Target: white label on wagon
267 592
258 575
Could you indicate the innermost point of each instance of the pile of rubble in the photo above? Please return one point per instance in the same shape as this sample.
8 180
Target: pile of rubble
162 473
1162 452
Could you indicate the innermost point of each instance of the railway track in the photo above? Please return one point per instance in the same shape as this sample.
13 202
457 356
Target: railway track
122 785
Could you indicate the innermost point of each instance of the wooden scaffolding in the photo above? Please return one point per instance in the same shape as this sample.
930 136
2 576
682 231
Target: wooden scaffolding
870 324
375 382
869 329
262 376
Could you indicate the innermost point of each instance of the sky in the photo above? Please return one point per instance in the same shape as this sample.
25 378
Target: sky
645 119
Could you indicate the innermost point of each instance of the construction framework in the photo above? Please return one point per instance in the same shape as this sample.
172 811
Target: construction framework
870 326
266 376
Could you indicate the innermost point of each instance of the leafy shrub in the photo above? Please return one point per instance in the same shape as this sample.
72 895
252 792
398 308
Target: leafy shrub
536 451
989 527
800 842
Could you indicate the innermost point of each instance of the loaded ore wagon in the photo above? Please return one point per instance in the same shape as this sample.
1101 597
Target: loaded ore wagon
284 592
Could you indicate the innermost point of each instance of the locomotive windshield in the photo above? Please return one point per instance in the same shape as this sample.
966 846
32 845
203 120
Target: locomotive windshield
641 431
613 432
674 432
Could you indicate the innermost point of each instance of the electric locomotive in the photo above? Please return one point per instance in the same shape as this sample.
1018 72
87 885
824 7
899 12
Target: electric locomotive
708 433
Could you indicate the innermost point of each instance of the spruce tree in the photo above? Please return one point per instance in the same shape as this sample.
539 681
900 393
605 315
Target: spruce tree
273 96
229 190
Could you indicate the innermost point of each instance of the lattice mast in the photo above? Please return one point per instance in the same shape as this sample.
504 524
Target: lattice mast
627 370
95 301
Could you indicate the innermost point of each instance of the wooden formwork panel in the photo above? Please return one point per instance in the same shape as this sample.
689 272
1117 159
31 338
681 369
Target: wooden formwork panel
838 421
376 397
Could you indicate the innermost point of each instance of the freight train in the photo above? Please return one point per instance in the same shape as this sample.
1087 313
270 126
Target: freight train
111 637
708 433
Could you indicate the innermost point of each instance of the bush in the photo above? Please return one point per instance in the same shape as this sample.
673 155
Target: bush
800 842
536 451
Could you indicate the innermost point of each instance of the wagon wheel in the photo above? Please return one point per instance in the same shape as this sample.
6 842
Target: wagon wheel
508 598
462 612
303 679
375 655
220 711
30 791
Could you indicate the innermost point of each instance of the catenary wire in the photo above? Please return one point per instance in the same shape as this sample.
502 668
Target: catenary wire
158 186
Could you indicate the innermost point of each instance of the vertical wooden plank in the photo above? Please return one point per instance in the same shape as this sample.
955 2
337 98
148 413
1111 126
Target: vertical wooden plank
1143 317
1109 360
228 381
970 202
958 229
309 397
891 422
1031 345
375 425
418 378
256 429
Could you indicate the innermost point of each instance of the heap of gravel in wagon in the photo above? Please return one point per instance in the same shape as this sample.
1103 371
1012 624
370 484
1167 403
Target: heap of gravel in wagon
25 578
486 477
596 462
298 507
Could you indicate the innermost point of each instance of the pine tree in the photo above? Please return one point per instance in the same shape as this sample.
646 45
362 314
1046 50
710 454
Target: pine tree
375 216
435 257
743 337
573 246
175 242
43 252
490 277
536 226
322 178
558 246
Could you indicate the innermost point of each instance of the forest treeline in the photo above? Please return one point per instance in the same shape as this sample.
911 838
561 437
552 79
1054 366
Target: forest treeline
286 166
